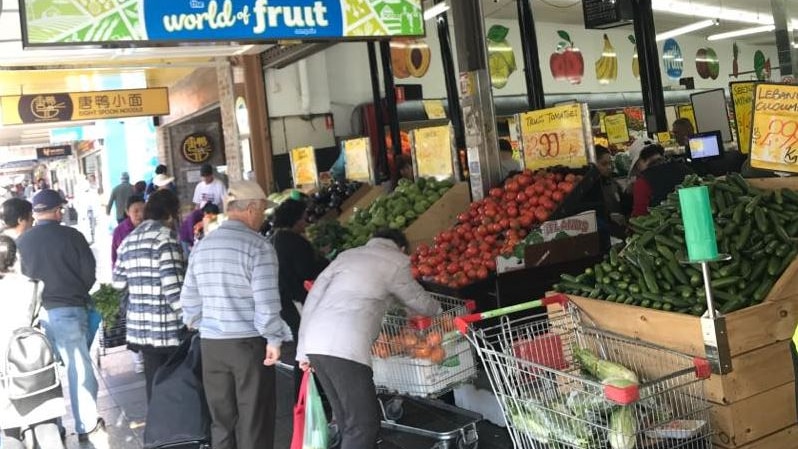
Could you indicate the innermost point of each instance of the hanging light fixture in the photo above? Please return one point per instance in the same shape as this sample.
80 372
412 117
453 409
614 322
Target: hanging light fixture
687 29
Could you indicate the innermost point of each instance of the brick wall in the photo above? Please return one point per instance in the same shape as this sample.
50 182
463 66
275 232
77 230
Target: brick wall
227 98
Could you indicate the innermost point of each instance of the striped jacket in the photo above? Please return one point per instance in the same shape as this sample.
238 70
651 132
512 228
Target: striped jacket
150 266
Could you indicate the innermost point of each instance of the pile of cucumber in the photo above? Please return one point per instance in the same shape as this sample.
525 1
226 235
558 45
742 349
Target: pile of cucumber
756 227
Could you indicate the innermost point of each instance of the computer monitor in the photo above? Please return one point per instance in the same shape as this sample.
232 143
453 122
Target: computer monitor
703 146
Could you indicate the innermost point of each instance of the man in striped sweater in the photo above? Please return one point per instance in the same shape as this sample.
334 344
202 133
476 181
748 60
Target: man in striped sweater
231 295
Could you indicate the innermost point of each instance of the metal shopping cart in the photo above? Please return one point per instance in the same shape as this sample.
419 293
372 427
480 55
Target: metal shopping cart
416 359
545 370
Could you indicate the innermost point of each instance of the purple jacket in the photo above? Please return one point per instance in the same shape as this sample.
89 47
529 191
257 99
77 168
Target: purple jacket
187 227
122 230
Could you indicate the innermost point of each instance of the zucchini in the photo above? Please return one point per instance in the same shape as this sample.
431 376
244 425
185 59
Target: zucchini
763 289
760 220
724 282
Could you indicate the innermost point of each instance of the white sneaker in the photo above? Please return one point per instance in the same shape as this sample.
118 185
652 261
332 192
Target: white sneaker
138 368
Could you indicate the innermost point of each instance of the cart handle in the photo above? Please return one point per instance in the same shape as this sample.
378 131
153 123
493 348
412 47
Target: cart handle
462 322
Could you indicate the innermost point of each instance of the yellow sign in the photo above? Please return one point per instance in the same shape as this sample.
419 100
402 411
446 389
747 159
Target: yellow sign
742 94
303 166
686 111
432 150
553 136
197 148
664 137
774 135
617 130
358 160
434 109
65 107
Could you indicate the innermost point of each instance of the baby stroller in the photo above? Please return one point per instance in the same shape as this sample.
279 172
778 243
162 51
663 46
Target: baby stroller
31 399
178 415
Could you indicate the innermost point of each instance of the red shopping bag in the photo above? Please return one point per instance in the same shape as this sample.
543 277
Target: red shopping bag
299 413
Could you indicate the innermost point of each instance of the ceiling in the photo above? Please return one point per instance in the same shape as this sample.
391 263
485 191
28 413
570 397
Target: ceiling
63 70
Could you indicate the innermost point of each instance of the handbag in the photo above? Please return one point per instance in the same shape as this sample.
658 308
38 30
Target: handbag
299 413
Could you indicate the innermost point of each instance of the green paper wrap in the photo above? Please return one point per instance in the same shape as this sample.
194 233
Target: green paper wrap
699 228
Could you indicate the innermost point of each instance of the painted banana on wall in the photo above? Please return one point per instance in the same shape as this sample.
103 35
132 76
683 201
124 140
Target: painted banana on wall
607 65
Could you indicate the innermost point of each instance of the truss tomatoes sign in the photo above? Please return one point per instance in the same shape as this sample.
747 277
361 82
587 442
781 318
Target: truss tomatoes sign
556 136
150 22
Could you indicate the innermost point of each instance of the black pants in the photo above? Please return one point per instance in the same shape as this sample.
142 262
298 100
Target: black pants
240 393
794 354
350 389
154 358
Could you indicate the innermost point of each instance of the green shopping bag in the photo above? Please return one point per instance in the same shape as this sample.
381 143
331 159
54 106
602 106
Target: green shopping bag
315 435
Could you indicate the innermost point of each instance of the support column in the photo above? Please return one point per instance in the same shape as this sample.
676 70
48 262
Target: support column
476 97
260 140
227 107
163 141
788 55
650 76
390 101
379 118
529 46
452 94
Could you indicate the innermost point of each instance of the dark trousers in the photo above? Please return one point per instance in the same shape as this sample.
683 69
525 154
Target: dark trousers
240 393
154 358
794 354
350 389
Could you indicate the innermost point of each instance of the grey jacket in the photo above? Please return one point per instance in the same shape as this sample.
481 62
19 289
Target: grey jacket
343 312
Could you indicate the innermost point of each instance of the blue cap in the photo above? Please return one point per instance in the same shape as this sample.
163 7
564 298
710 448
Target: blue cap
47 199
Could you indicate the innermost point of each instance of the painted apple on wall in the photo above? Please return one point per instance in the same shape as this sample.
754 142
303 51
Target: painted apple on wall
566 63
706 63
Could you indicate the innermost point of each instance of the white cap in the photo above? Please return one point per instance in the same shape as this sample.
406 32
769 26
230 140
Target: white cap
162 180
244 191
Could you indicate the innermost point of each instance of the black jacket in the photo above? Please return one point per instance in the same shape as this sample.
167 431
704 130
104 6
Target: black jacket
298 262
663 179
61 258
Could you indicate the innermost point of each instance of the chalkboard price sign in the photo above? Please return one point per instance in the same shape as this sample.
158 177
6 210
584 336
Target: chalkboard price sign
603 14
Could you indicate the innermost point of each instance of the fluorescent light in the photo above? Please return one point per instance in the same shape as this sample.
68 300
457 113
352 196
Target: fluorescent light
694 9
436 10
743 32
686 29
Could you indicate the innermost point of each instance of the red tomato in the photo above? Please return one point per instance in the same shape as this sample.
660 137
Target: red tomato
452 268
482 273
504 224
521 197
566 186
557 196
512 212
496 192
526 220
570 177
491 264
490 239
512 186
414 271
524 180
425 270
471 251
529 191
539 188
482 230
464 217
558 177
533 201
472 274
508 195
541 214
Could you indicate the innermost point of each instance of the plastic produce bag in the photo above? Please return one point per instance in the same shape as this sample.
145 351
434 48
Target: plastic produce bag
310 422
315 436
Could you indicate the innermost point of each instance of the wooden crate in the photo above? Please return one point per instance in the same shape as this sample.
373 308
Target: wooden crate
736 425
361 199
782 439
441 215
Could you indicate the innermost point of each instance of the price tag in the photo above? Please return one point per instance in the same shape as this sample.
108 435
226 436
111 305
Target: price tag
663 137
686 111
554 136
303 166
432 152
774 134
434 109
742 94
357 154
617 131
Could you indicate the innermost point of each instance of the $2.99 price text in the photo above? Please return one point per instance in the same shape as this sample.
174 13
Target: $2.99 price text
782 134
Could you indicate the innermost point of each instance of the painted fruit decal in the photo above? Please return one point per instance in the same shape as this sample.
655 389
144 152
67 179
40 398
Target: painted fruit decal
761 66
566 63
607 64
706 63
673 59
410 57
635 61
501 58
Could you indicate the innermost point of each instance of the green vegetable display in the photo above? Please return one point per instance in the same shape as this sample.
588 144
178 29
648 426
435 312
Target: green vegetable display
623 427
106 301
756 227
603 370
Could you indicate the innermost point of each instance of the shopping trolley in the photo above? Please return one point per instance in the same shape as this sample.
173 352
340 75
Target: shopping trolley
417 359
538 368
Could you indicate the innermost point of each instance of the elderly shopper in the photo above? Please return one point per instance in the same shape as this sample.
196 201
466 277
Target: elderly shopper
151 270
341 319
231 295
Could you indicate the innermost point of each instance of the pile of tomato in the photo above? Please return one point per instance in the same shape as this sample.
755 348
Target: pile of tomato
492 226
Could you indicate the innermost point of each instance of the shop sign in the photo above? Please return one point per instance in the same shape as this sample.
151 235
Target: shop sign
147 22
357 154
556 136
774 133
303 166
197 148
616 128
53 151
433 152
742 94
75 106
686 111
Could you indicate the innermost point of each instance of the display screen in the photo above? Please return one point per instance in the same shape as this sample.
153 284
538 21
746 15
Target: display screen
706 145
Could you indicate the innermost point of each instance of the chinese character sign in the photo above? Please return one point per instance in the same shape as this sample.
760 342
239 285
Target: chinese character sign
197 148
